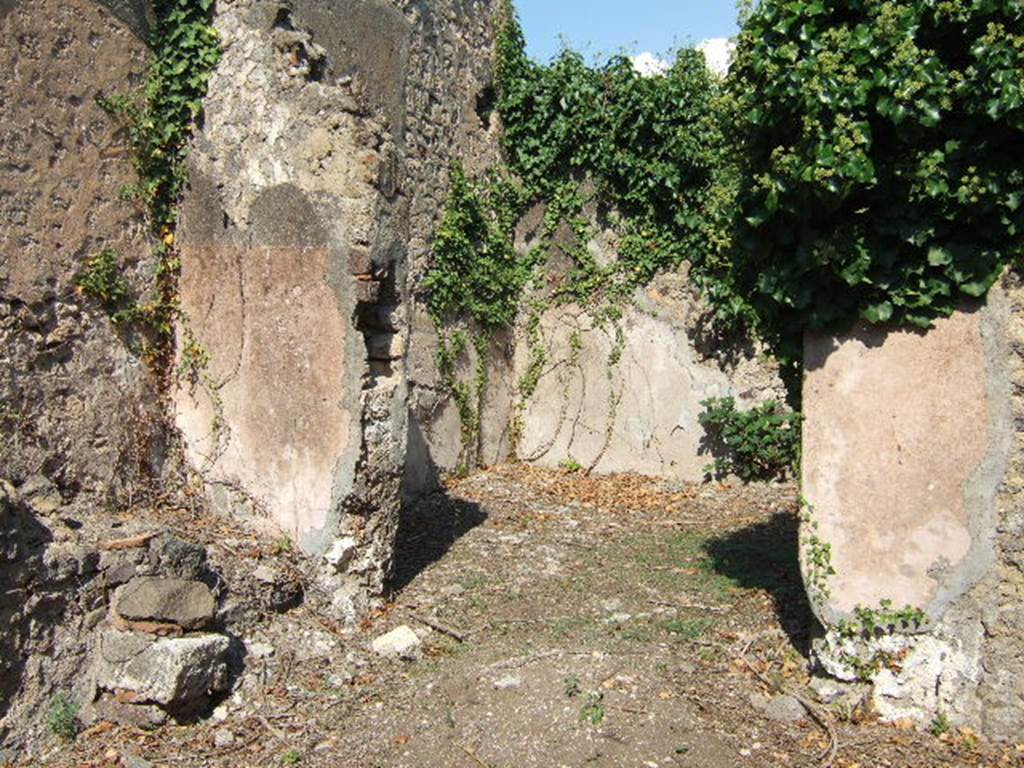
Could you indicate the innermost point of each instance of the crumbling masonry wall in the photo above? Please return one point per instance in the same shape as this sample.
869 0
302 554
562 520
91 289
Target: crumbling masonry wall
316 181
912 475
76 402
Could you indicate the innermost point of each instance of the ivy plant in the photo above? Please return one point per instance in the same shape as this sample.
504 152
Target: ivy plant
881 148
185 50
654 147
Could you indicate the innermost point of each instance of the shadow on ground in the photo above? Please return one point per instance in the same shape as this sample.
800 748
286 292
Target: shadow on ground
766 556
427 529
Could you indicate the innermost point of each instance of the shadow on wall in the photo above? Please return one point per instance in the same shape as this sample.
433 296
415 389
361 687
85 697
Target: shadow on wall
766 556
22 542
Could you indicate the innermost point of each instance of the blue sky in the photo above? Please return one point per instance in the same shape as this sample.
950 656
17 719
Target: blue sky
603 26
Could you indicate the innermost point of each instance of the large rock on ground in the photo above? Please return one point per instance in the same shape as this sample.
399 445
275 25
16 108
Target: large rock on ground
176 673
189 604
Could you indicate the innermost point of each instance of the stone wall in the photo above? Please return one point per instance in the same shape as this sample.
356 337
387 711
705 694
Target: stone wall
618 391
911 472
317 180
625 396
76 403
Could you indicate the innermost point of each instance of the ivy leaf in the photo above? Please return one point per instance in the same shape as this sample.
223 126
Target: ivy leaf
878 313
939 256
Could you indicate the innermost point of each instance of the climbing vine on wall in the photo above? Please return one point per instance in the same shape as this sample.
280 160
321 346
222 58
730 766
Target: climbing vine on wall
882 156
184 51
653 146
862 160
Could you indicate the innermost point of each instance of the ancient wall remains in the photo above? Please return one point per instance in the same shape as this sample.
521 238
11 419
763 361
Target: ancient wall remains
911 472
316 181
619 388
76 403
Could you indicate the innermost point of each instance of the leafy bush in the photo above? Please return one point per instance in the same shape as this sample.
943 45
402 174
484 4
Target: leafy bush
882 156
653 145
760 444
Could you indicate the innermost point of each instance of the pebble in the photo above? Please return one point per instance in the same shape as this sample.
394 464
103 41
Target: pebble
507 682
260 650
223 738
401 642
266 574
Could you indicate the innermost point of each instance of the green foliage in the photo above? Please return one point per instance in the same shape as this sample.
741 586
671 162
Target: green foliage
476 272
570 465
762 443
882 157
884 620
185 50
653 146
572 686
593 711
940 725
102 281
817 557
869 624
62 719
160 121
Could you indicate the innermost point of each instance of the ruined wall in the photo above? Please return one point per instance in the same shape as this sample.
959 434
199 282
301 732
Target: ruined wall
75 401
911 472
316 182
621 383
625 396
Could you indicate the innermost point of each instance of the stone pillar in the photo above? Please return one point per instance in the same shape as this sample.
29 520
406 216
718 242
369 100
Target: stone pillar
312 187
907 541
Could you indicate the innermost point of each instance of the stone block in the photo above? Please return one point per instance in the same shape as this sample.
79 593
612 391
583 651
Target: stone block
176 673
188 604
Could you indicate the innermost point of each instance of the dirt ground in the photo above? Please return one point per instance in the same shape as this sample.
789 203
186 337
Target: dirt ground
565 621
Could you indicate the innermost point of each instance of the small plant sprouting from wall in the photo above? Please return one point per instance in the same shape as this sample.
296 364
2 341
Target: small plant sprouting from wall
869 625
62 719
160 120
762 443
102 281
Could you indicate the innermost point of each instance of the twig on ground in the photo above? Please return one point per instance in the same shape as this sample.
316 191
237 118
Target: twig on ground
812 709
439 627
476 758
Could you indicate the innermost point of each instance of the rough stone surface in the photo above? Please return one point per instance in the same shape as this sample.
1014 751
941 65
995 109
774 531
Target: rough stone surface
400 642
176 673
188 604
915 482
76 403
782 709
108 709
316 182
48 588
